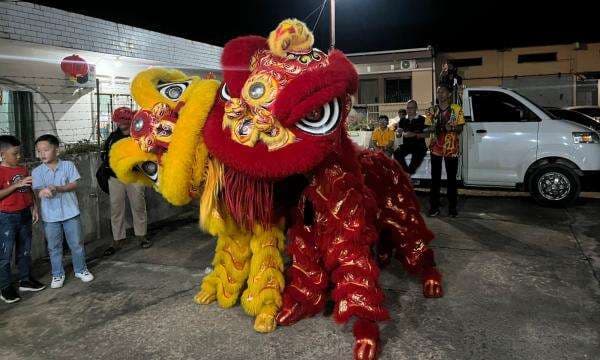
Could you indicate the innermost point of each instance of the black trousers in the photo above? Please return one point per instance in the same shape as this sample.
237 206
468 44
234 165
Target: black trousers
436 176
417 152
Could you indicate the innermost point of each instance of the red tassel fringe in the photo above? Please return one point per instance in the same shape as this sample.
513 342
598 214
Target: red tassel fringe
249 200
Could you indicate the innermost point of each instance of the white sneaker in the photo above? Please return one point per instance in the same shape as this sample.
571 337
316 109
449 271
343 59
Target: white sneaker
57 282
85 276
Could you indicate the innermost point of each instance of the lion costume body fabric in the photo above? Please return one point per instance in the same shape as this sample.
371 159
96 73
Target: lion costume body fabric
267 154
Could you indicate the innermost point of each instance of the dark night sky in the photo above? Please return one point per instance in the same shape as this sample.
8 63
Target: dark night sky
364 25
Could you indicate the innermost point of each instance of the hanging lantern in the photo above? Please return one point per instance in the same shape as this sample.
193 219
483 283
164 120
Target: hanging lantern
76 68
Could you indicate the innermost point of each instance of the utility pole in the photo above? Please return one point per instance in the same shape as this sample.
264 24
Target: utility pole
332 23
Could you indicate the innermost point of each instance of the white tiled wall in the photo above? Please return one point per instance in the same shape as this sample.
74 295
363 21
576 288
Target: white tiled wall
38 24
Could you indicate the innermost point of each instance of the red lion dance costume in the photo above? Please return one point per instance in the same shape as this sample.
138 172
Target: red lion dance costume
276 135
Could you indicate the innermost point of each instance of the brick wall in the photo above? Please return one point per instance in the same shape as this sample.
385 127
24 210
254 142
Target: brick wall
64 109
38 24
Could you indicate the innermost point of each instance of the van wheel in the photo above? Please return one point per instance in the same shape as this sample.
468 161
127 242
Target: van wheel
554 185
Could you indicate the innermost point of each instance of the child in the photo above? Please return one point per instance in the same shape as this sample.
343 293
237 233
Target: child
383 137
55 181
17 212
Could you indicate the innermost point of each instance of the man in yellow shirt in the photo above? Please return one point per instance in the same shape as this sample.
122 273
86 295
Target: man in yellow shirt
383 137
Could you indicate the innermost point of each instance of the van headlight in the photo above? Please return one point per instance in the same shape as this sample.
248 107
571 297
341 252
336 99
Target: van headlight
586 138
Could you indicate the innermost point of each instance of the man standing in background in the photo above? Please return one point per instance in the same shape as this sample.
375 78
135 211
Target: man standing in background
119 191
452 80
446 124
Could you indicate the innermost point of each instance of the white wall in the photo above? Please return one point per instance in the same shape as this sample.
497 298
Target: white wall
34 39
38 24
60 108
72 118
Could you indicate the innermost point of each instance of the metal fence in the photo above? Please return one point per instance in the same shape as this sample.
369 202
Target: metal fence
80 117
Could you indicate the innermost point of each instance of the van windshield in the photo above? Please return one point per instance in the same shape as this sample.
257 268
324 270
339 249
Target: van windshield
576 117
550 115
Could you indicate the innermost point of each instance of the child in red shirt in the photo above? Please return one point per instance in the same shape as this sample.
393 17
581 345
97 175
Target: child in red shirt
17 213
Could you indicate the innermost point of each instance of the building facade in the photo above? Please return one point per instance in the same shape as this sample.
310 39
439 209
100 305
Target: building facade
558 76
37 97
388 79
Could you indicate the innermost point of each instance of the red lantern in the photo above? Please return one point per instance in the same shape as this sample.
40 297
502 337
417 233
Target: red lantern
76 68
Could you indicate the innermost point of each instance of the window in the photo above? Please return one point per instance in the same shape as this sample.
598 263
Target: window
16 118
539 57
368 92
558 113
494 106
467 62
589 111
397 90
575 117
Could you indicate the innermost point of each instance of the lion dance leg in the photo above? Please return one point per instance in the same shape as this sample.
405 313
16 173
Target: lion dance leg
306 280
357 293
231 266
337 243
411 237
401 221
262 298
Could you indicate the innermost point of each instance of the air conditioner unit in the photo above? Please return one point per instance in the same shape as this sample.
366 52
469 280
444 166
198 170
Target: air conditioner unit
408 64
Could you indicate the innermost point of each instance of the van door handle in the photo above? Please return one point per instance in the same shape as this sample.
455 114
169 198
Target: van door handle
481 131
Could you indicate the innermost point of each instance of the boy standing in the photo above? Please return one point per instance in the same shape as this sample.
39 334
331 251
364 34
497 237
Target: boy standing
17 212
55 181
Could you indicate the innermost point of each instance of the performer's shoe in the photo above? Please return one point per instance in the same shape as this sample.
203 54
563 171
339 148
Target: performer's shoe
384 258
205 297
265 323
452 212
290 313
366 345
432 283
433 212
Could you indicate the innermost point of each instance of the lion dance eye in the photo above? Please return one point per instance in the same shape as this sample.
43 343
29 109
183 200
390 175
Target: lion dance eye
225 93
321 121
138 124
257 90
173 91
150 169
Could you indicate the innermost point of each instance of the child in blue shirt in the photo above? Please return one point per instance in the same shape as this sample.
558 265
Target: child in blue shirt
55 182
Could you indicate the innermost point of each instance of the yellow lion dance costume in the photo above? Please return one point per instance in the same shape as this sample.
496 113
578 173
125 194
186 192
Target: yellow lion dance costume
174 110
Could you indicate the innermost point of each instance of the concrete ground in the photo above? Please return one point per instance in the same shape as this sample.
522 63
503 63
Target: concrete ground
521 282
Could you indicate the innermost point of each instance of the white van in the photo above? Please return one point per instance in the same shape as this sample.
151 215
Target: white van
510 142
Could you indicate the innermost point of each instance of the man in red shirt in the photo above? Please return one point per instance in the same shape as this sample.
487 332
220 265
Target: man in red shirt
17 213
